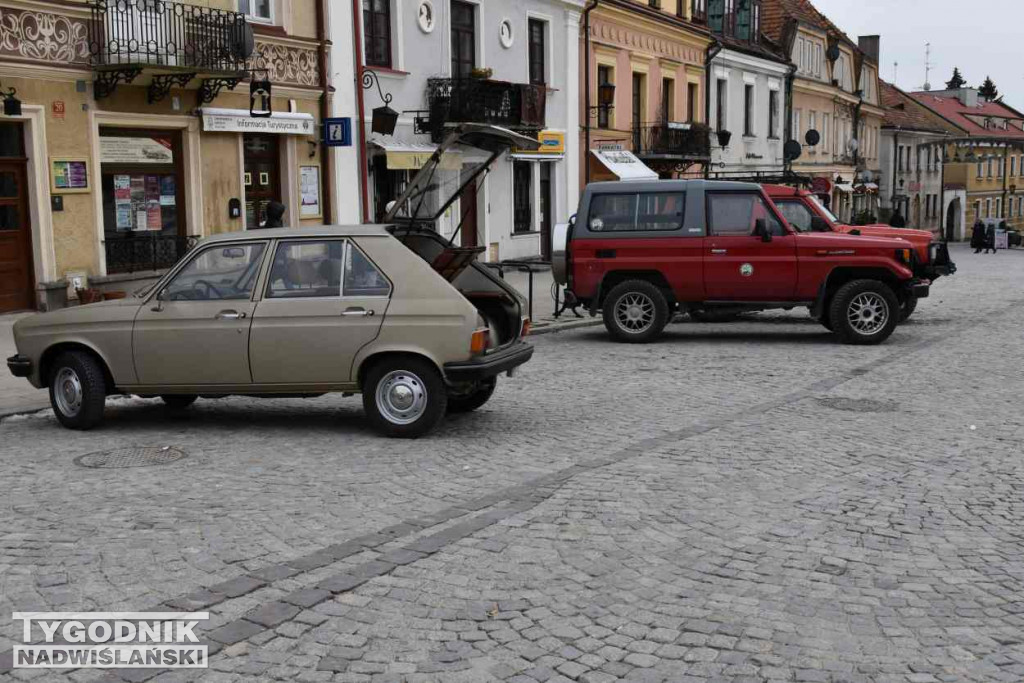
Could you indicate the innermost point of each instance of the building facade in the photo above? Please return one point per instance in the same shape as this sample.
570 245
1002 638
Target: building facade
135 137
911 155
834 94
747 82
440 62
643 64
984 158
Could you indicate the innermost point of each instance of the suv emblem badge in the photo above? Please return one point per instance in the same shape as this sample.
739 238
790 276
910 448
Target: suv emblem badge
746 270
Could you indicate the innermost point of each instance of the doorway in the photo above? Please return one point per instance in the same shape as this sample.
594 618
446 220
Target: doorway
545 211
262 159
17 277
468 216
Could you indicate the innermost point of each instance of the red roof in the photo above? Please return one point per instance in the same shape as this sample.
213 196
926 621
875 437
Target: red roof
903 111
775 14
955 112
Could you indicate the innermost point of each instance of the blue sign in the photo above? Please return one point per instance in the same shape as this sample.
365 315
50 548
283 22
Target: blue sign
338 132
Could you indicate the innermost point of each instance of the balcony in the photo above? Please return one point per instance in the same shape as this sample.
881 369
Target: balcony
699 11
672 142
516 106
737 19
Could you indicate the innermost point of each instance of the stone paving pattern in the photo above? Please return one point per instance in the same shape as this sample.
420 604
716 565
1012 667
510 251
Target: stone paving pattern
740 502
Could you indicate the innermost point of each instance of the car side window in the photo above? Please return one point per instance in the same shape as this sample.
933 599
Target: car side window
735 213
362 277
218 273
306 268
661 211
644 212
796 213
612 212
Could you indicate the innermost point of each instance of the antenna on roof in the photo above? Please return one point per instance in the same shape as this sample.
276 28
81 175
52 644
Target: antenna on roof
927 65
895 70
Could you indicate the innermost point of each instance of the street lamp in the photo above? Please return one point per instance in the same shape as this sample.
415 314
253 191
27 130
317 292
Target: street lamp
385 119
12 105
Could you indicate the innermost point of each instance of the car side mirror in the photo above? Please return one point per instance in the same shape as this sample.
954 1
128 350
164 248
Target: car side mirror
572 220
819 224
761 230
160 298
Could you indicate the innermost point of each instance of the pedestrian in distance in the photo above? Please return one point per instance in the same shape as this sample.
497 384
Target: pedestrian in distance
275 215
990 238
978 236
897 220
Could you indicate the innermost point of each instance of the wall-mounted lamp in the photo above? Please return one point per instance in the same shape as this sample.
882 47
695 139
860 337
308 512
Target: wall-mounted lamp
385 119
260 105
12 105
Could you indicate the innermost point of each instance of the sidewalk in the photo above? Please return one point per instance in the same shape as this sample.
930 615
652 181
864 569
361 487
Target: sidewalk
16 394
543 318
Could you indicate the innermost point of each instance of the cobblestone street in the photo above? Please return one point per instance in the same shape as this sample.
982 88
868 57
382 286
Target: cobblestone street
745 501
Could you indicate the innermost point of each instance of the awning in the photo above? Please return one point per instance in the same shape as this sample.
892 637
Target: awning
867 187
624 164
844 187
405 156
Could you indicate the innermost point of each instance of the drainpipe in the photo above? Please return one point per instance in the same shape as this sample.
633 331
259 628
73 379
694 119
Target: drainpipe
1006 171
586 83
943 237
357 43
788 123
713 49
325 110
895 169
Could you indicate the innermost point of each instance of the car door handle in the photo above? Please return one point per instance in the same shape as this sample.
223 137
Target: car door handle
719 251
230 315
605 253
359 312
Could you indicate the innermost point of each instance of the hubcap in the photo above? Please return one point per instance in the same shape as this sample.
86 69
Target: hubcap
634 312
401 397
67 390
868 313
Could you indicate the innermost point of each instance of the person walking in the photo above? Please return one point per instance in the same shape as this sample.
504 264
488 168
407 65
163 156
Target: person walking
990 238
978 236
275 215
897 220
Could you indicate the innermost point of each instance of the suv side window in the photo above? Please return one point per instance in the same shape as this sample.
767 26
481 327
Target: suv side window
732 214
796 212
645 212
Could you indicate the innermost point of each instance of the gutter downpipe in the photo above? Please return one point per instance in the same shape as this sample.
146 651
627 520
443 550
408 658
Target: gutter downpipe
787 166
586 85
357 48
326 155
713 49
895 154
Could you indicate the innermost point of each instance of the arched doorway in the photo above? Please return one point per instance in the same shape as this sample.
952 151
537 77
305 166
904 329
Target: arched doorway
953 221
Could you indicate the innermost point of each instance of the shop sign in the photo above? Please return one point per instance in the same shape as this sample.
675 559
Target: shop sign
239 121
551 142
821 186
338 132
135 150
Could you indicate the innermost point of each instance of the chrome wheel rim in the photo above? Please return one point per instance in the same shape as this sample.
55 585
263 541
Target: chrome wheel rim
868 313
67 391
401 397
634 312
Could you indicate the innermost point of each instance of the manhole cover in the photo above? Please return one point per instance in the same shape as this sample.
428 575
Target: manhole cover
139 456
857 405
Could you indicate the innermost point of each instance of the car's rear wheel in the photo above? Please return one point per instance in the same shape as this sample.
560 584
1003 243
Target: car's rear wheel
468 399
635 312
864 312
908 307
78 390
404 397
178 401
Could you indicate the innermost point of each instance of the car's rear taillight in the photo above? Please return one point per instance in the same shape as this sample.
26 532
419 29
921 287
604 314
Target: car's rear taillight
524 330
478 342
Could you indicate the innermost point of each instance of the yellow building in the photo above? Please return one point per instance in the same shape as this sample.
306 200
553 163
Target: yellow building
134 134
646 64
834 93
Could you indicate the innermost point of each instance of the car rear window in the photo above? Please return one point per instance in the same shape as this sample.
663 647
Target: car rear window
638 212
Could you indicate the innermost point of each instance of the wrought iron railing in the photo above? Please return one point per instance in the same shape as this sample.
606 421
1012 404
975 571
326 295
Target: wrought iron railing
740 19
153 252
475 100
699 11
690 141
164 33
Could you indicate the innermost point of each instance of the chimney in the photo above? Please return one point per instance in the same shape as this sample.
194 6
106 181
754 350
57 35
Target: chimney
968 96
870 46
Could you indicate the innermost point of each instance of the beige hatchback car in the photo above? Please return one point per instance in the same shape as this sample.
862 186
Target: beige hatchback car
397 313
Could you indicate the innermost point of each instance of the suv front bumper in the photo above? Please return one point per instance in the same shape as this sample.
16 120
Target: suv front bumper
489 365
919 288
941 265
19 365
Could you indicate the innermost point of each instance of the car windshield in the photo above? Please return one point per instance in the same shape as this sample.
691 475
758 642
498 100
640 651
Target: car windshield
440 181
824 210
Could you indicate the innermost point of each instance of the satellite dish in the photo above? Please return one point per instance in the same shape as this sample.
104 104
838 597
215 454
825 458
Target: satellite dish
832 52
792 150
243 42
813 137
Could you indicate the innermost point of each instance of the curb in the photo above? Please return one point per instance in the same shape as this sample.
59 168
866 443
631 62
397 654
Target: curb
560 327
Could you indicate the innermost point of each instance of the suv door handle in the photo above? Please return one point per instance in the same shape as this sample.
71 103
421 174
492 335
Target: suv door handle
230 315
358 311
719 251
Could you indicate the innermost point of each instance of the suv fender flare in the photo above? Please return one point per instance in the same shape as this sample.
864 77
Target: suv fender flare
613 278
840 275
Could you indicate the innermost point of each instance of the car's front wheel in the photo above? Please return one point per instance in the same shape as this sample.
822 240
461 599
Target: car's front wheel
635 312
864 312
471 397
78 390
404 397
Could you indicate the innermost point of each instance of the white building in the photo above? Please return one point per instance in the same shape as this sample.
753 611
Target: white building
512 63
347 201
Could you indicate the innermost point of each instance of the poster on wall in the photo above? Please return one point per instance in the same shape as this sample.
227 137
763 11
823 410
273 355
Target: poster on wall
153 221
167 190
147 150
309 190
138 201
123 202
69 175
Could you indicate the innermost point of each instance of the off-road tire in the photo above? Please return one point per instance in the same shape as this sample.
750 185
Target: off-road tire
422 379
178 401
469 401
89 396
645 294
839 311
908 307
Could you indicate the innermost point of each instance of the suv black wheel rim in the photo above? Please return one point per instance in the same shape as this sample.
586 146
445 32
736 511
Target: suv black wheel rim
634 312
868 313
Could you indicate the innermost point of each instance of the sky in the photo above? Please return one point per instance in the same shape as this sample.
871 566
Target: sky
982 37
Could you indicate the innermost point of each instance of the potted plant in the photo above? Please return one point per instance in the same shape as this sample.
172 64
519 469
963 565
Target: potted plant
482 73
89 296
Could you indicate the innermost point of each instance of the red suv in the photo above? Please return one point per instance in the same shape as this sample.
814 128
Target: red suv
639 251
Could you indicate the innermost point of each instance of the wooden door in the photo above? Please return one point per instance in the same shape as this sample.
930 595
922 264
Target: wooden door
262 177
468 210
17 279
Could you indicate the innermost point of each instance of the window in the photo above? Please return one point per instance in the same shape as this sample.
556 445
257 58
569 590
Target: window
748 110
224 272
648 212
362 278
538 69
522 196
796 214
691 102
977 209
668 99
377 32
999 168
639 110
990 167
604 75
824 131
796 125
773 114
734 214
999 207
256 9
306 268
463 39
1013 166
988 208
981 169
721 98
